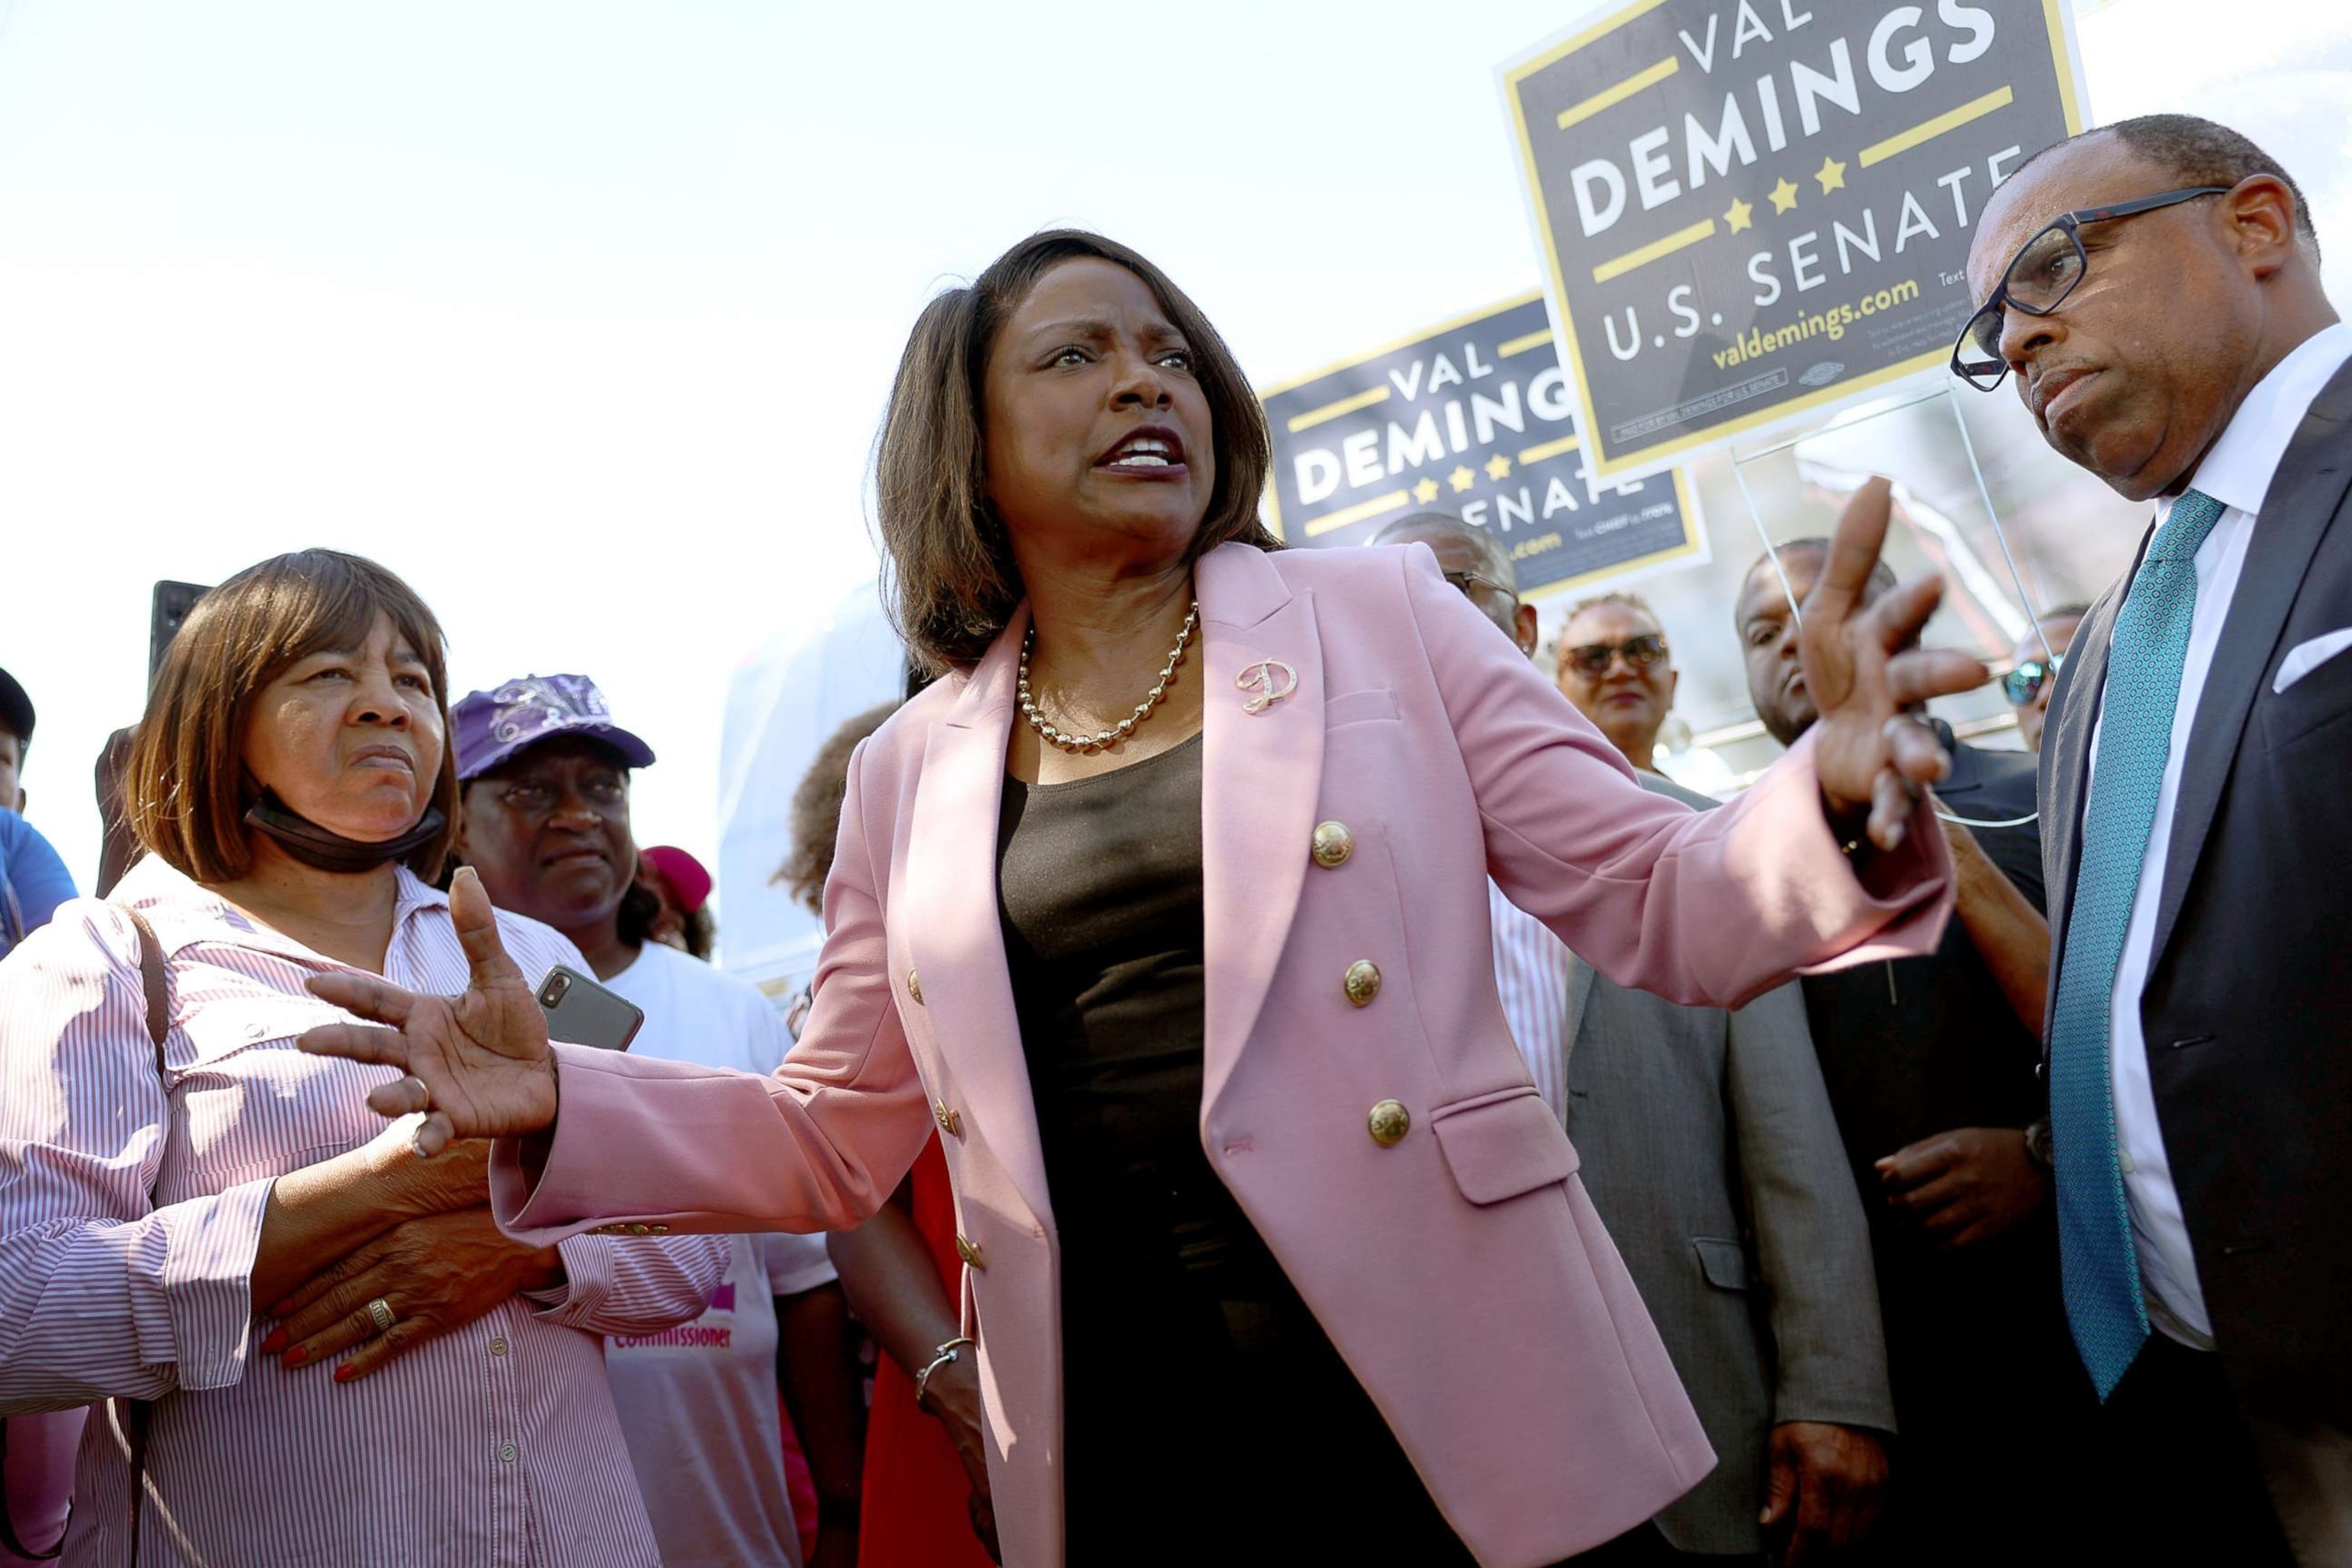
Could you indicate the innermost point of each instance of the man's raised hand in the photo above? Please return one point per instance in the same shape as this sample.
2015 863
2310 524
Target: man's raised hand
477 1064
1864 675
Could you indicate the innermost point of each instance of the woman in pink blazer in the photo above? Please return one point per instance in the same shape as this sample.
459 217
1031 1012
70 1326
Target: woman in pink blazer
1166 908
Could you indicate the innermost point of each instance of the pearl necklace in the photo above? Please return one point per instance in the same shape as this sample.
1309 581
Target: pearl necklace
1079 745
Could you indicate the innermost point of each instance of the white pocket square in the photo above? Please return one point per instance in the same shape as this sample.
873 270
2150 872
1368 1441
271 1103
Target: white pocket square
2304 657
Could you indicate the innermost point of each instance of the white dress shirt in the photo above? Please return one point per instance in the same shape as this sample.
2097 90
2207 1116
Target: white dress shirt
2237 472
1535 975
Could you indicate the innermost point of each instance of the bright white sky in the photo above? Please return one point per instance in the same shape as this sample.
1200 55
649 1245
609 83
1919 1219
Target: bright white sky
580 315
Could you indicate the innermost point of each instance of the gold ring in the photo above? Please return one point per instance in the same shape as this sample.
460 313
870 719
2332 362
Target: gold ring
380 1313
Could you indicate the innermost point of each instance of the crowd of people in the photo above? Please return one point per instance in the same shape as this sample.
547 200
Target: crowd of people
1288 1076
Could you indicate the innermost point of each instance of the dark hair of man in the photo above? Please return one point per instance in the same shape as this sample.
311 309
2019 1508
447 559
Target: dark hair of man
949 575
2196 151
816 809
186 787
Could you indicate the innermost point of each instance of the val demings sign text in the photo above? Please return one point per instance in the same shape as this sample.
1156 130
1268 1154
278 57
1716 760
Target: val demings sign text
1752 208
1475 419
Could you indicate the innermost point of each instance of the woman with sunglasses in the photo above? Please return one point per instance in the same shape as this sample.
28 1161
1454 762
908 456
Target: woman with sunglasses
1166 908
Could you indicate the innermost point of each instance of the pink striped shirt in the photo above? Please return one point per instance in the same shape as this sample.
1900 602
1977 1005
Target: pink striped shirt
495 1444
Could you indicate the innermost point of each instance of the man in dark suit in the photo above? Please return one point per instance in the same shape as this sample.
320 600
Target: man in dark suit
1931 1069
2154 288
1710 1151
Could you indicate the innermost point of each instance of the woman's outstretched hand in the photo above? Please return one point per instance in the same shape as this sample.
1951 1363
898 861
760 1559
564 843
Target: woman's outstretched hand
1864 675
477 1064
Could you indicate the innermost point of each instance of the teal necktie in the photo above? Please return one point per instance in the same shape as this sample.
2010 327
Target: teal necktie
2101 1269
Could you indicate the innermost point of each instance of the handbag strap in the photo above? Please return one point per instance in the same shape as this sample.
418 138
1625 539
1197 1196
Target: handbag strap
131 1416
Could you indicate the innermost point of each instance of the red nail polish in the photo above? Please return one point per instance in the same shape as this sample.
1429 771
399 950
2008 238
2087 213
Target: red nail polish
297 1356
343 1374
275 1343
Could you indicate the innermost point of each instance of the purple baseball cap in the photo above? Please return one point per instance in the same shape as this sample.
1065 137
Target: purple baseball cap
493 725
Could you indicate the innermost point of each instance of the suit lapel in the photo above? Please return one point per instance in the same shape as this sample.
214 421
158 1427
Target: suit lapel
956 937
1260 778
2294 516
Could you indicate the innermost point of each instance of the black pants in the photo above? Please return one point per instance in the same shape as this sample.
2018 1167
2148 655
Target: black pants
2180 1466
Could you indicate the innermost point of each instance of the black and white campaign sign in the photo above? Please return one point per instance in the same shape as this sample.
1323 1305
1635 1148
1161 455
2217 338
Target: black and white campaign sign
1750 209
1475 419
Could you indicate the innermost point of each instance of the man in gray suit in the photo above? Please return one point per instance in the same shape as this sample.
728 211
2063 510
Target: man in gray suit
1710 1150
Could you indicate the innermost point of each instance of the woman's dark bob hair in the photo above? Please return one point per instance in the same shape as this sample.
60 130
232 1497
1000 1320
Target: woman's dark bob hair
951 580
186 787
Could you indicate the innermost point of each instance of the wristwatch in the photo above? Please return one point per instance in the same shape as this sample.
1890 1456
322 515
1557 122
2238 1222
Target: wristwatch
2037 1145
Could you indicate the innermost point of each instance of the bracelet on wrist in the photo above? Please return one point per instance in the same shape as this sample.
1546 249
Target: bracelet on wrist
940 1358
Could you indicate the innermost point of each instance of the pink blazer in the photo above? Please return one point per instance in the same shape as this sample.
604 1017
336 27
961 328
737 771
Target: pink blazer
1460 1269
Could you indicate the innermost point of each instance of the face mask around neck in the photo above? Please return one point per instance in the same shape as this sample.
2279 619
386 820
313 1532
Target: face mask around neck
323 849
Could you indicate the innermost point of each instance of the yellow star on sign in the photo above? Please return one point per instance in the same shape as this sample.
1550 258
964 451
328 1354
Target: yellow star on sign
1426 491
1784 197
1741 217
1832 174
1498 466
1461 479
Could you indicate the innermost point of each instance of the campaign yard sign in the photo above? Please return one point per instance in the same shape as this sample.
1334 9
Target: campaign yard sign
1476 418
1751 209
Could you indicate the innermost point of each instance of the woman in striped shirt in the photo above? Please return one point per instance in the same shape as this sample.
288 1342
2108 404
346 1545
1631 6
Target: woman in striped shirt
317 1348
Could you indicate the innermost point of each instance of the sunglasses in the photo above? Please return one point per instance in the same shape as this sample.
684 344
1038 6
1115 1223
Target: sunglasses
2023 684
1591 660
2045 270
1466 581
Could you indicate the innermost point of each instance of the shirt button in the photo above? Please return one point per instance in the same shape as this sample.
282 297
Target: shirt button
498 1345
255 1031
1362 981
507 1453
2124 1159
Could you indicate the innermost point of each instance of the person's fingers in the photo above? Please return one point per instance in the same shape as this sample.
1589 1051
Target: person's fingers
316 1288
1779 1488
400 1097
357 1043
354 1327
1854 554
404 1335
364 995
1915 1163
433 1134
1929 1195
1814 1515
320 1302
477 930
1915 751
1895 620
1890 809
1914 677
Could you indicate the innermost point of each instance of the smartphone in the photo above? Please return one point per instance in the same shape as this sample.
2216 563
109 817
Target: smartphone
580 1012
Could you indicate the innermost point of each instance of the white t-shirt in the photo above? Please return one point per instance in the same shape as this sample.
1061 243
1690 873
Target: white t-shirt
699 1401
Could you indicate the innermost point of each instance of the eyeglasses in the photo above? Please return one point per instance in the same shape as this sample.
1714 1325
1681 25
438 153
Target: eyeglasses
1591 660
2024 683
1466 581
2039 276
